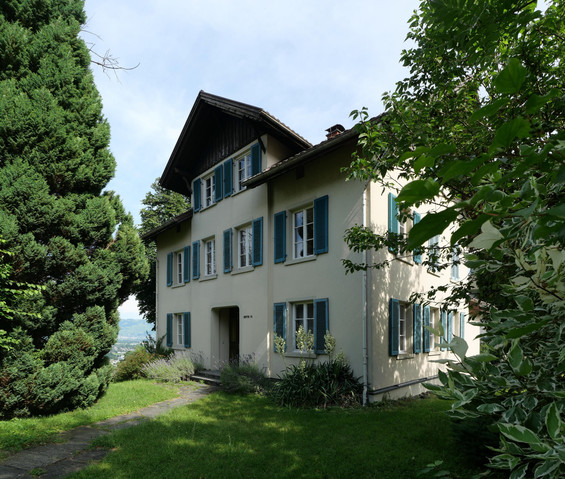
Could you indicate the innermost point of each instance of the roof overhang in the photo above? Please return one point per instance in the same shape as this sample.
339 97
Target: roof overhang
348 138
152 234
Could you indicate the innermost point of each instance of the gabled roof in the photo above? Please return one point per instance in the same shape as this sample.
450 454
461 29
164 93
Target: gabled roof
214 129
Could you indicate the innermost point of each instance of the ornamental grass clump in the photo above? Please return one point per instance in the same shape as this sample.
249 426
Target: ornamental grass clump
243 376
178 367
310 384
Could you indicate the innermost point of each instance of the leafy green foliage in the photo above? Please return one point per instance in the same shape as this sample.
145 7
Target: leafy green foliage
486 79
160 205
131 367
65 234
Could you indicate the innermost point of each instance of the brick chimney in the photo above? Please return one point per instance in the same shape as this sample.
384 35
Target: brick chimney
334 131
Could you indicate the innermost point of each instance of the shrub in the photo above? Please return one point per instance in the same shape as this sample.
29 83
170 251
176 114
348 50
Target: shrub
242 377
131 367
155 346
178 367
326 384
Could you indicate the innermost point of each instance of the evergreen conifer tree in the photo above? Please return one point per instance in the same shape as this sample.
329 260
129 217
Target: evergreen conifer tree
63 230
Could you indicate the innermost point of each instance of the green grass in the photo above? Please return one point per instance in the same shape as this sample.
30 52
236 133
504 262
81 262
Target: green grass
249 437
120 398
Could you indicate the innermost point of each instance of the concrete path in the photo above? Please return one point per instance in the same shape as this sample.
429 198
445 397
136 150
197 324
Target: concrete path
56 460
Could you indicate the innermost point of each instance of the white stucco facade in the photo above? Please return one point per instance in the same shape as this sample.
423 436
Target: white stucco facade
235 309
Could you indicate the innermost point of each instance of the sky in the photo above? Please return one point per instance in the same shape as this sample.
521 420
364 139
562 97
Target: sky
309 63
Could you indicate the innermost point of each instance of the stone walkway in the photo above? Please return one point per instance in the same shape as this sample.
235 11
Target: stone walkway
73 453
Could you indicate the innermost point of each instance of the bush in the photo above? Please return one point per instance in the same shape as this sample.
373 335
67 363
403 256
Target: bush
131 367
242 377
326 384
155 346
178 367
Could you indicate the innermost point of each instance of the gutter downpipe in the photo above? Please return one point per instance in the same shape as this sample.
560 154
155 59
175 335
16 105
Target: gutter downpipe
365 304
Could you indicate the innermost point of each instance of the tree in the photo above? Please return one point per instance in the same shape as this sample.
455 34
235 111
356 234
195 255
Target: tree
160 206
477 133
63 231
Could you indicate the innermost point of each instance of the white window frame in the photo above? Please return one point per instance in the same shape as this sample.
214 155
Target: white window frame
178 269
241 170
455 263
210 257
208 190
179 325
300 247
303 320
244 247
403 311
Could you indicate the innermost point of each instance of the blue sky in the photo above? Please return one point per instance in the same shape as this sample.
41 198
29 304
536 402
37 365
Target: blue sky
307 62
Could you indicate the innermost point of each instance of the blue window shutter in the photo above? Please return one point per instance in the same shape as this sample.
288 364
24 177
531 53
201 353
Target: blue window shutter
392 218
257 235
169 330
228 250
186 325
280 237
186 264
219 180
321 225
228 177
279 326
462 325
195 260
417 251
169 269
321 324
417 328
444 326
196 190
393 327
255 159
426 332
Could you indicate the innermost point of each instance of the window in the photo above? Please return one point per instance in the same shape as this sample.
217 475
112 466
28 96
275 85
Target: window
398 229
433 253
303 315
402 326
181 332
402 336
455 263
244 247
179 262
303 233
210 252
209 190
242 171
311 315
434 323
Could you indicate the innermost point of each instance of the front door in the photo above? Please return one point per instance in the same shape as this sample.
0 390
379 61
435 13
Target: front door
234 334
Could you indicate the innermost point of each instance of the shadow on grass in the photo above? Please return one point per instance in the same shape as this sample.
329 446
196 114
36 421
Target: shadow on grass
227 436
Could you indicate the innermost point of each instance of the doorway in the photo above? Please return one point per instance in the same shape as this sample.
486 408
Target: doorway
228 334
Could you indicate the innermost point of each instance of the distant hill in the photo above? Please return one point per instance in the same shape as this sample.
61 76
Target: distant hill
133 329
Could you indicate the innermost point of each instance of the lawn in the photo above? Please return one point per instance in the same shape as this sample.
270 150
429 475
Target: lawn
120 398
224 436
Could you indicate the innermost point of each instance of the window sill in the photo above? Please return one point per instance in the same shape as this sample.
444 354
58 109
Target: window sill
296 354
434 273
247 269
300 260
434 353
402 356
407 261
208 278
178 285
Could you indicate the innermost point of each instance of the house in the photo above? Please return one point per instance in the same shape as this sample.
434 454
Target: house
260 253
